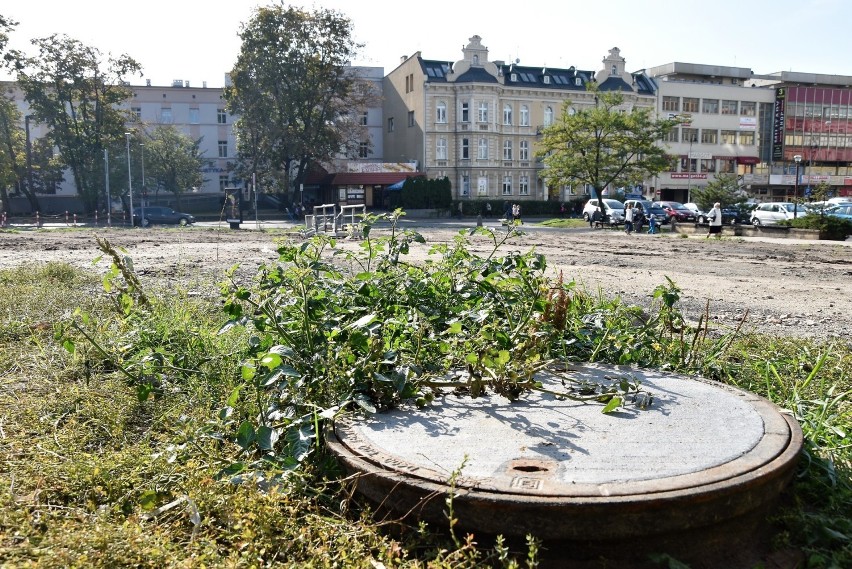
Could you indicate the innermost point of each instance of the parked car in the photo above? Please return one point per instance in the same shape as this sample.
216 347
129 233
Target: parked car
677 211
162 215
843 211
773 212
730 216
614 210
649 207
694 207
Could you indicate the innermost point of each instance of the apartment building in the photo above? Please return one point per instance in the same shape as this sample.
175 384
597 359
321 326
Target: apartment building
475 121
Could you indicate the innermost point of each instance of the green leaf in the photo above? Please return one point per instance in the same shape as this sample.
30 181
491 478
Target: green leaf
235 396
69 346
148 500
247 371
246 435
364 321
267 437
455 328
271 361
503 357
613 404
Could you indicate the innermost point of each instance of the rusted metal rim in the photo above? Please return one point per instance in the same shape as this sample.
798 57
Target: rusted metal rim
705 454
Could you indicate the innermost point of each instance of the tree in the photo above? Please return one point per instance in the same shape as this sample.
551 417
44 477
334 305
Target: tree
725 189
297 100
604 146
78 96
172 160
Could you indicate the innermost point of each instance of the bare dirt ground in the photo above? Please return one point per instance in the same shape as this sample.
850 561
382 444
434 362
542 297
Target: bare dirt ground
784 287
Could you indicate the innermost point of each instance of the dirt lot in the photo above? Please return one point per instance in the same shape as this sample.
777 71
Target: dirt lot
789 287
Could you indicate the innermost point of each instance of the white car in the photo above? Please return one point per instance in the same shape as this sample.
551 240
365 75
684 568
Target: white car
772 213
614 210
694 207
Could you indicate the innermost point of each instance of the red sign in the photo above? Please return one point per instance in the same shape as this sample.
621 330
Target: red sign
688 175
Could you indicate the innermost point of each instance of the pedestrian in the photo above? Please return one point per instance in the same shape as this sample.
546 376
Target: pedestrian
516 214
652 224
638 218
507 211
488 209
595 219
562 210
715 217
628 219
461 210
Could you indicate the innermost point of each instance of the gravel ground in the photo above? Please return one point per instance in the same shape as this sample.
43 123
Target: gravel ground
785 286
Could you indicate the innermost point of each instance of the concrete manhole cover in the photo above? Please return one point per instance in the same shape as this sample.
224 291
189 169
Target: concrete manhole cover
702 455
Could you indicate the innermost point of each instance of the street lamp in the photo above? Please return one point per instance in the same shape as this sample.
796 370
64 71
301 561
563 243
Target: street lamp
29 155
129 177
144 192
798 159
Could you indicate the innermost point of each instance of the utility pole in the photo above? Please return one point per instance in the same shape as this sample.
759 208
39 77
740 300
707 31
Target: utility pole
29 155
106 184
129 178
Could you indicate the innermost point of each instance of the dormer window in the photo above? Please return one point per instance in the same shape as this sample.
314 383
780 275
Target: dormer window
614 70
513 77
546 79
476 60
578 82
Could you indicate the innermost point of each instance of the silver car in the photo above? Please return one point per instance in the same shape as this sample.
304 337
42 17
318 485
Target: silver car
772 213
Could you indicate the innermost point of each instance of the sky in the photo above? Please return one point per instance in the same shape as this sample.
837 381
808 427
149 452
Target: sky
198 41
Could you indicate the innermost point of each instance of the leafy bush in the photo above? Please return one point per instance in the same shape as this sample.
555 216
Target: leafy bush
830 227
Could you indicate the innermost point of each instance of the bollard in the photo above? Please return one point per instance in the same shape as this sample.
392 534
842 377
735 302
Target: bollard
38 220
66 217
3 220
75 220
96 218
479 220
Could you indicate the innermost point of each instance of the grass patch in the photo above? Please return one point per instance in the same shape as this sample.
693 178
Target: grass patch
124 427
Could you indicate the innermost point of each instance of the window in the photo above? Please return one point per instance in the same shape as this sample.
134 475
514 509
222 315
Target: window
507 150
483 149
524 150
578 82
390 124
410 118
441 149
223 149
223 182
465 112
613 70
465 151
710 106
364 118
709 136
483 112
364 150
166 116
524 185
507 185
465 185
507 114
525 115
747 138
194 115
137 113
727 166
548 116
729 137
221 117
748 108
729 107
482 186
690 135
688 165
708 165
690 104
673 135
441 113
671 103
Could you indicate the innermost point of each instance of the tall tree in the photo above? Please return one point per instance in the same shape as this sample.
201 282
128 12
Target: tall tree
296 98
79 96
604 146
724 189
172 161
12 153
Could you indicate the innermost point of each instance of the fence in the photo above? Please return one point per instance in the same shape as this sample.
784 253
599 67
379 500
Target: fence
67 219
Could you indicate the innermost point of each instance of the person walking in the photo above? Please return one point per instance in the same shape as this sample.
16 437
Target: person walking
628 219
461 210
562 210
652 224
488 209
638 218
715 217
516 214
507 211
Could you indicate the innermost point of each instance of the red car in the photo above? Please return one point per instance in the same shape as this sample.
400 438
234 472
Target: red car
677 211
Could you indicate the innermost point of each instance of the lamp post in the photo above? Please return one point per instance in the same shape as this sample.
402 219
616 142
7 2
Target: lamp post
129 177
29 155
798 159
144 192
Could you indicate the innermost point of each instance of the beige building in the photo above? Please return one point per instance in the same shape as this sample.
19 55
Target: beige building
728 130
475 121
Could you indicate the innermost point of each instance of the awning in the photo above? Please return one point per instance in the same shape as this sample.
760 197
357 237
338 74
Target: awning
748 160
397 186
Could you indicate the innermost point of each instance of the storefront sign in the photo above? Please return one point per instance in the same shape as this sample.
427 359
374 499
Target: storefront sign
748 123
778 125
688 175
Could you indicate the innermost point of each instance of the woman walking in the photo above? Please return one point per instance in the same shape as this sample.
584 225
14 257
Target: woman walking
715 217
